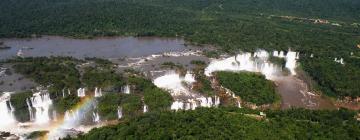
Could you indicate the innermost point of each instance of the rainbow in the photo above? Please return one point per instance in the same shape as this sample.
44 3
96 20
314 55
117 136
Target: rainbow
69 121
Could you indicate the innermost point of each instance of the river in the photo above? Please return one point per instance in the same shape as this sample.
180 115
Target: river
109 47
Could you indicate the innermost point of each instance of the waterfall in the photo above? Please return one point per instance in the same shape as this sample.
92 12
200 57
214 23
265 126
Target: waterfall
63 93
6 110
173 82
54 115
238 104
126 89
206 102
98 92
31 113
81 92
291 58
281 55
177 105
341 60
217 101
258 62
189 77
42 103
119 112
145 108
96 117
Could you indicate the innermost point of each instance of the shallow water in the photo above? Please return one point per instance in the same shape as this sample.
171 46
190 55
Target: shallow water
114 47
296 94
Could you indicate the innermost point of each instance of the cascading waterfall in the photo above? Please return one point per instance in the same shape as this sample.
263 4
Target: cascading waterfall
81 92
257 62
126 89
176 105
98 92
279 54
174 82
291 58
54 115
341 60
96 117
28 103
119 112
145 108
6 110
41 102
189 77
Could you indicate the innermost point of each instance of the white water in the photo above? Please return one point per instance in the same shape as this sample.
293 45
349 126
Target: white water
189 77
257 62
254 62
126 89
96 117
119 112
28 103
179 88
173 82
6 110
341 61
98 92
41 102
81 92
145 108
291 58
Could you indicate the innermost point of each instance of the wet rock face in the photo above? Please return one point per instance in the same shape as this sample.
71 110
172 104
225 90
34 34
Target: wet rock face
8 136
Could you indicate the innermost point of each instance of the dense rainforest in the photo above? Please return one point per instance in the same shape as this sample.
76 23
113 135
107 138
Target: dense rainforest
327 29
251 87
233 123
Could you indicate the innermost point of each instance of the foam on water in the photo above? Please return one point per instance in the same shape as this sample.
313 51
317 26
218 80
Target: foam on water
119 112
257 62
6 110
41 102
126 89
185 98
81 92
98 92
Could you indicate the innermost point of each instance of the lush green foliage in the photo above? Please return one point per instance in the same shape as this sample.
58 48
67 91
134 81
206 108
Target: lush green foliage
132 104
58 72
101 77
37 134
68 102
18 101
108 104
212 123
202 84
278 61
155 98
335 79
251 87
